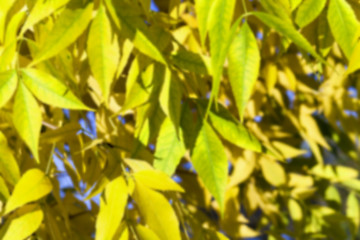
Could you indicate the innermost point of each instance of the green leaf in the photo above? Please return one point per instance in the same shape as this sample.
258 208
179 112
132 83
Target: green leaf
41 10
343 25
190 61
170 97
8 83
354 61
277 8
155 209
135 29
32 186
289 31
27 118
233 131
103 52
157 180
50 90
8 165
353 211
308 11
273 172
219 24
210 161
244 65
70 25
169 148
23 223
202 13
112 208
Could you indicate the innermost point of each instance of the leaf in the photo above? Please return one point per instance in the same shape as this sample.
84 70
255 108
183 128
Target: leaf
308 11
103 52
353 211
190 61
112 208
134 28
27 118
4 191
278 8
32 186
145 233
8 83
155 209
157 180
202 13
273 172
295 210
244 66
288 31
210 161
24 223
354 61
169 148
170 98
70 25
219 23
343 25
233 131
8 165
41 10
50 90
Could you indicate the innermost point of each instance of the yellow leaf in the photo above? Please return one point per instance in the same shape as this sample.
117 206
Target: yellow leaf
145 233
68 27
23 223
9 167
157 180
273 172
103 52
112 208
27 118
8 83
41 10
50 90
155 209
32 186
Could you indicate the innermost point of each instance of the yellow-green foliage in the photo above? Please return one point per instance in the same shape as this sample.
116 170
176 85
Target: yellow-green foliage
203 119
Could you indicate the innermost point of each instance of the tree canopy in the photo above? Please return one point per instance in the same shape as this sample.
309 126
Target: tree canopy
179 119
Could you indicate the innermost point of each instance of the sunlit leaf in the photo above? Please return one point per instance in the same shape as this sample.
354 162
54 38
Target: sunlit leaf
8 166
287 30
210 161
115 197
273 172
103 52
145 233
50 90
308 11
41 10
155 208
33 185
27 118
170 148
70 25
343 24
170 98
202 12
8 83
219 24
157 180
244 65
28 219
